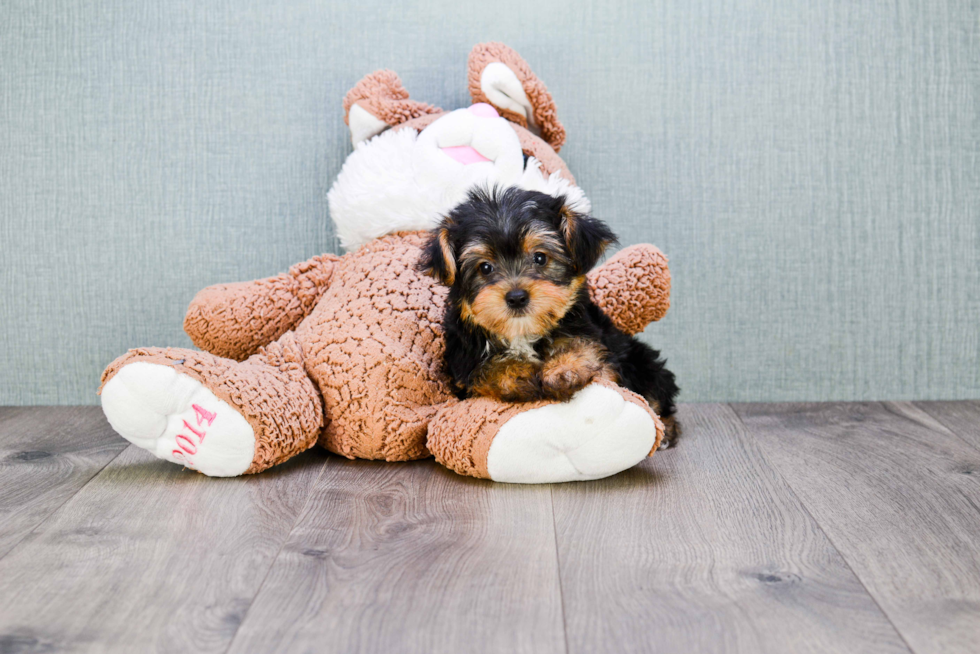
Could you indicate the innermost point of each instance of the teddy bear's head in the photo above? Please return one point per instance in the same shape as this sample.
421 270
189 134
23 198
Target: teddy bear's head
413 162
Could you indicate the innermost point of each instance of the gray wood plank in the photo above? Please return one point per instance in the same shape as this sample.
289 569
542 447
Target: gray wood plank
960 417
703 548
897 493
150 557
412 558
46 455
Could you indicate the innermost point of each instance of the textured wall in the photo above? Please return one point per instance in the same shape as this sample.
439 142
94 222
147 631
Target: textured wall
811 168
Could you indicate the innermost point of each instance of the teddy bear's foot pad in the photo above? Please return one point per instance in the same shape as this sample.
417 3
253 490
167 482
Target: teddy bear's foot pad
594 435
178 419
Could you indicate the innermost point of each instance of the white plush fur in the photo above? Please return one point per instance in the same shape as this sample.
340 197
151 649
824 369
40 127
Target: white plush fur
152 406
594 435
363 125
401 180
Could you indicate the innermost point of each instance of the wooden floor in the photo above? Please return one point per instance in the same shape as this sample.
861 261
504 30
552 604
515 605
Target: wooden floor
770 528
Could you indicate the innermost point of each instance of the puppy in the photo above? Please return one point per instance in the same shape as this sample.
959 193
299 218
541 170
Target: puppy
519 324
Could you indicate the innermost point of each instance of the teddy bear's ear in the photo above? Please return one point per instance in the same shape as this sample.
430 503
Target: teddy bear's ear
499 76
377 102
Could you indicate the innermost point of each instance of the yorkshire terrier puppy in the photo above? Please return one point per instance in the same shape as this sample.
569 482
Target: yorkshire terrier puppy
519 324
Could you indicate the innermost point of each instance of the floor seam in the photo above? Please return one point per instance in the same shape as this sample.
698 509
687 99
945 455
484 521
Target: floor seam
955 432
282 546
745 430
561 588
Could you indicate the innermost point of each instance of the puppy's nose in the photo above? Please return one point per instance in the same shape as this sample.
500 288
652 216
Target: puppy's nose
517 299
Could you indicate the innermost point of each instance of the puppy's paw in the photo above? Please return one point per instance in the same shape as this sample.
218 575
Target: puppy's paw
562 378
510 380
672 429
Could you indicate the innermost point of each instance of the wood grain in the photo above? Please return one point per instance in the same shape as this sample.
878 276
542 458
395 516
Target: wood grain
962 418
810 528
46 455
412 558
897 493
150 557
703 548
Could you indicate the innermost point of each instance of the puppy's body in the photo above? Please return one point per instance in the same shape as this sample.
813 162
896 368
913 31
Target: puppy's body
519 324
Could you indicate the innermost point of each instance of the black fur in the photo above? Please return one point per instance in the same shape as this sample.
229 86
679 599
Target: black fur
497 219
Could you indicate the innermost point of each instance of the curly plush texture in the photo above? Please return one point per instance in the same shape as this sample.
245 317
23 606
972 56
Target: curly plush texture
461 434
382 94
270 389
374 347
235 320
641 271
545 112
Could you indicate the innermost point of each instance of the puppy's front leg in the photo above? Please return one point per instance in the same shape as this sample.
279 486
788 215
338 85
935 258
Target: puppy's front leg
571 364
509 379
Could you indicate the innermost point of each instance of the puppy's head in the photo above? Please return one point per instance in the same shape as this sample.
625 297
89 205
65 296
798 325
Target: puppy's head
515 259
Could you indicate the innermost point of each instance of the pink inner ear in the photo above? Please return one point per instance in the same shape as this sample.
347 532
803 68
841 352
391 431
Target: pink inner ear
465 154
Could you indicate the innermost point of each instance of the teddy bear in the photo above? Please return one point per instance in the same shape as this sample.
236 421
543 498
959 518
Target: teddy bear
345 351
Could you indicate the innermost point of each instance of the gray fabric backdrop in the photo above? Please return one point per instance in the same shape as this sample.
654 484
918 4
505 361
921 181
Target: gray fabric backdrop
810 167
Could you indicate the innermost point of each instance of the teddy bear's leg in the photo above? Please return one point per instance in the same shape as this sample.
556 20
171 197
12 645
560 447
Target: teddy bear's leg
218 416
602 430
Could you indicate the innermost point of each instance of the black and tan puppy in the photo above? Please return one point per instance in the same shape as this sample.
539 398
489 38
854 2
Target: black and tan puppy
519 323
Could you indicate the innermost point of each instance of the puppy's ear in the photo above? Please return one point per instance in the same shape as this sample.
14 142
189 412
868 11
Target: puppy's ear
586 237
438 256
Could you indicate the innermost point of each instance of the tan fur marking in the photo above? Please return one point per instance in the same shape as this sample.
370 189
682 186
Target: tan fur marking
568 219
549 304
448 255
509 380
466 311
672 428
476 251
538 239
571 365
490 311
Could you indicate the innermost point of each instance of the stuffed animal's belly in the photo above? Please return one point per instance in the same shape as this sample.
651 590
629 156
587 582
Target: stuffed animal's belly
374 348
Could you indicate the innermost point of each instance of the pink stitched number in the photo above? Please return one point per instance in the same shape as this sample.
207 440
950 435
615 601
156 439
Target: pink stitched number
203 414
200 434
188 445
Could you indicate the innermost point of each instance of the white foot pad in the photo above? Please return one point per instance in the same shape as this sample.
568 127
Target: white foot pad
178 419
594 435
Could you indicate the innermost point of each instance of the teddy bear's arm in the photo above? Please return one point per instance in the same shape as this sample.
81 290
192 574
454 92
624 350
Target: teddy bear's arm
235 320
633 287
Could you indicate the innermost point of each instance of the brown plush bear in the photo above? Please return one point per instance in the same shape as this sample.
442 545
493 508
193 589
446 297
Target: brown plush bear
346 351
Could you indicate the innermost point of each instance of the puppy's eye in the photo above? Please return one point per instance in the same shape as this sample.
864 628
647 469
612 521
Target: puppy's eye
485 268
540 258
